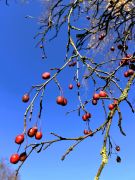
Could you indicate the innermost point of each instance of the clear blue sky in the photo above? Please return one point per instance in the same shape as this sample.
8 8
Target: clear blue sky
21 67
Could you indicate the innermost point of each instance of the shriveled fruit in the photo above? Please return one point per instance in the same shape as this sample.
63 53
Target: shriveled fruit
23 156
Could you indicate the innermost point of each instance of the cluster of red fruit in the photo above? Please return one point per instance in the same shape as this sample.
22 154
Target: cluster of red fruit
71 85
96 97
34 132
20 139
103 94
16 157
61 101
127 60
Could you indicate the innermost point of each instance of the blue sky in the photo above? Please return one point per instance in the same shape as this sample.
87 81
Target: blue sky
21 67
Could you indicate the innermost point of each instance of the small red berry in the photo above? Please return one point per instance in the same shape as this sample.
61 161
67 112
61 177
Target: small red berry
94 102
70 86
31 132
112 48
130 71
102 94
46 75
101 37
14 158
38 135
60 100
88 115
41 46
78 84
19 139
115 102
64 102
25 98
117 148
86 131
96 96
126 74
111 106
84 117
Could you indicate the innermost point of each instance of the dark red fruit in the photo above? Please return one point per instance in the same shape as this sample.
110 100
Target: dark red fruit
96 96
94 102
112 48
118 159
38 135
126 74
101 37
128 56
19 139
102 94
70 86
88 115
72 64
120 46
23 156
46 75
64 102
32 131
124 62
86 132
111 106
130 71
90 133
14 158
78 84
117 148
25 98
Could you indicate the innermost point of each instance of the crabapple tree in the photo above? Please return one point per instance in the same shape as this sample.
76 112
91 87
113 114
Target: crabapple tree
105 45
